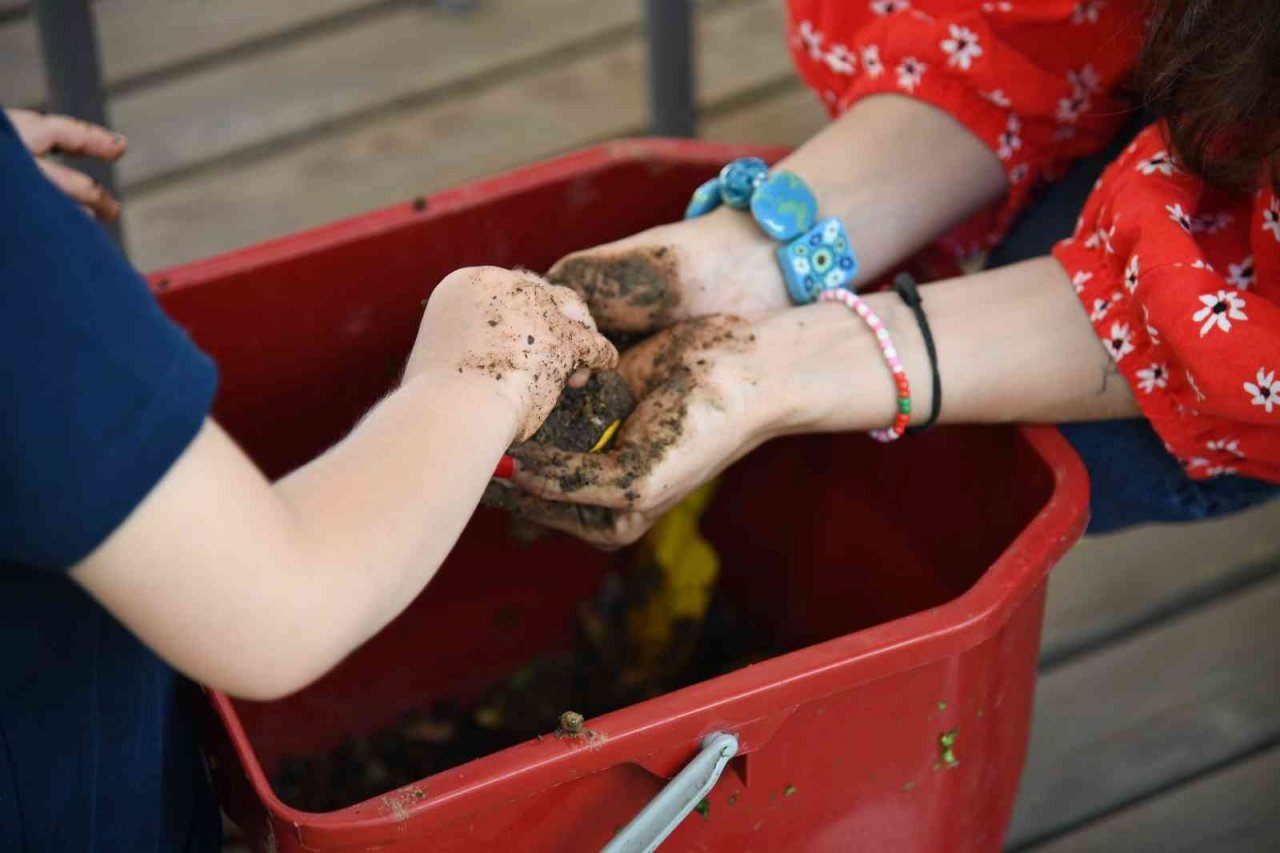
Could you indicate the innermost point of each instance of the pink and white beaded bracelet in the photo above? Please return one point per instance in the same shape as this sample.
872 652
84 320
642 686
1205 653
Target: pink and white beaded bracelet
855 304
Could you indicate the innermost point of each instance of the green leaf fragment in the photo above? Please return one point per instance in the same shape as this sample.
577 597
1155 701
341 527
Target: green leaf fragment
703 808
946 747
789 790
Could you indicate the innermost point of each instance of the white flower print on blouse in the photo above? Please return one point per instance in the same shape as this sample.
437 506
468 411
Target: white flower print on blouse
871 63
997 7
1226 445
1266 391
910 73
1191 381
1241 275
1201 264
1271 218
1131 274
840 60
811 39
997 97
1063 133
1102 306
1101 237
1084 81
1009 139
1152 331
889 7
1153 377
1119 341
1178 215
1158 162
1071 108
1078 280
1210 223
1018 173
1086 11
1220 470
1192 462
1219 310
961 48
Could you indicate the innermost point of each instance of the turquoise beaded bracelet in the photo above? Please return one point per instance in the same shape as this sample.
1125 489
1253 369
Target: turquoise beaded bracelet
815 256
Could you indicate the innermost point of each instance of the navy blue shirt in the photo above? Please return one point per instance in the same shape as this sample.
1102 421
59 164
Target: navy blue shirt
99 394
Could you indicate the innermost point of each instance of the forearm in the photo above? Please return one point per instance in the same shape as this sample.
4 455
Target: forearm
897 171
383 508
258 589
1013 344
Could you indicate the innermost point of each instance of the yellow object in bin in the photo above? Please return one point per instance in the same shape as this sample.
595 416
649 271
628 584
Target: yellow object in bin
685 568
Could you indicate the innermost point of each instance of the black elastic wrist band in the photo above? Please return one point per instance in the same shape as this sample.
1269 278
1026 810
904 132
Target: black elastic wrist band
906 288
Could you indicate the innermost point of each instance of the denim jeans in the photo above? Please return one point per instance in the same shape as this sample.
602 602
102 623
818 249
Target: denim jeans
1134 479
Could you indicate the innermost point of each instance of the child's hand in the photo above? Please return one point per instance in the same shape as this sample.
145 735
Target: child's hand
44 135
513 329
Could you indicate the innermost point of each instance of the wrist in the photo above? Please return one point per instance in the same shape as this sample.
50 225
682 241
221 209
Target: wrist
495 405
829 373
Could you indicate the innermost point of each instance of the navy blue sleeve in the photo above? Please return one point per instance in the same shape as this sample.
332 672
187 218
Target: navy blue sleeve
99 391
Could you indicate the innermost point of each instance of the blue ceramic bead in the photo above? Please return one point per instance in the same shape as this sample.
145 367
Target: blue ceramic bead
740 179
706 198
820 259
784 206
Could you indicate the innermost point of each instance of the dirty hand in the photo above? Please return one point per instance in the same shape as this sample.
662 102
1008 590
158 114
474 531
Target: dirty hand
45 135
704 403
721 263
512 329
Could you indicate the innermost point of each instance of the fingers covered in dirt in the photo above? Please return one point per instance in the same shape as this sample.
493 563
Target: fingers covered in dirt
629 286
514 329
603 528
685 427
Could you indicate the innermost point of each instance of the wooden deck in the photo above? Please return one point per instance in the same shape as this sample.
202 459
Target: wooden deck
1157 721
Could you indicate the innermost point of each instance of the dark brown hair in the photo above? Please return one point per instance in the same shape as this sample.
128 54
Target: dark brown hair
1211 69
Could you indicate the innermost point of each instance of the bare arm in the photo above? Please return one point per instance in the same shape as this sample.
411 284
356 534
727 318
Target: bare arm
259 589
1013 345
897 171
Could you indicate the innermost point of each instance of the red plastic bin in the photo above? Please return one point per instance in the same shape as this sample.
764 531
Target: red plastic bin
907 581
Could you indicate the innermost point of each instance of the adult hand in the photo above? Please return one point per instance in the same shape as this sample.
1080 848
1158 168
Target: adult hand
45 135
705 401
527 337
718 264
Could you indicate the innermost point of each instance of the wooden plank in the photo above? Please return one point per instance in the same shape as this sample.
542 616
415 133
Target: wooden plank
143 37
1233 809
1108 584
786 117
407 56
436 145
1156 708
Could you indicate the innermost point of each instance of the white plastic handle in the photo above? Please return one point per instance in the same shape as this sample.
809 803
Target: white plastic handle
673 803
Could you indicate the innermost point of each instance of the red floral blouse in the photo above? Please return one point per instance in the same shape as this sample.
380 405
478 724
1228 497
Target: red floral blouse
1182 282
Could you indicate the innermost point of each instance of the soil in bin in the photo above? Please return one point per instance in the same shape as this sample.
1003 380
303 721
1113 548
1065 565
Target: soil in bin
600 673
530 703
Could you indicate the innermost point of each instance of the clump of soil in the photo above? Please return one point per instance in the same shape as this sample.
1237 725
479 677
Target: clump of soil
583 414
577 423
